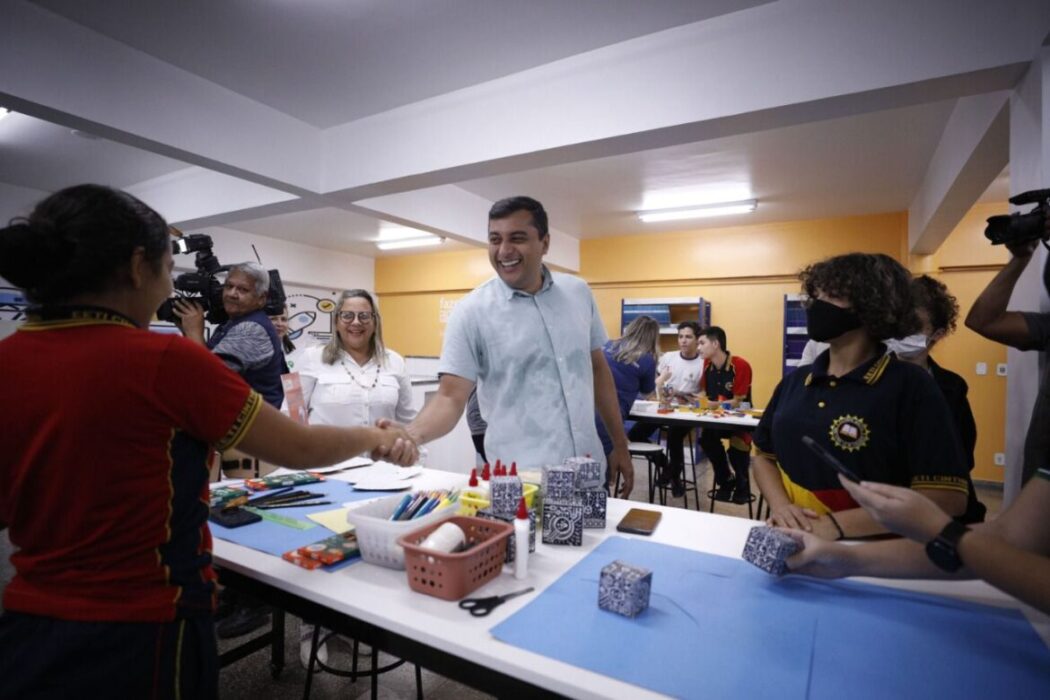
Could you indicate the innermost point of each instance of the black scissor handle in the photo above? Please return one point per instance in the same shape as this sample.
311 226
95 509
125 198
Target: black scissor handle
480 607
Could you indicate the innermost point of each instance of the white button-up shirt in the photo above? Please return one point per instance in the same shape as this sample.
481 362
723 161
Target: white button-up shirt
348 394
531 357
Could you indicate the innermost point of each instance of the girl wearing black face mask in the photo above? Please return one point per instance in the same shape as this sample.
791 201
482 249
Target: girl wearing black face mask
884 419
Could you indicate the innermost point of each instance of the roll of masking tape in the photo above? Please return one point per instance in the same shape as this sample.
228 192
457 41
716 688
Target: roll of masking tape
446 538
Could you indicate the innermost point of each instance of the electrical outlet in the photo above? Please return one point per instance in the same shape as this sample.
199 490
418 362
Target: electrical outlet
1000 369
999 459
982 369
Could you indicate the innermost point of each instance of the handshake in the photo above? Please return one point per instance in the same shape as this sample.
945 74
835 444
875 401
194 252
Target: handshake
395 444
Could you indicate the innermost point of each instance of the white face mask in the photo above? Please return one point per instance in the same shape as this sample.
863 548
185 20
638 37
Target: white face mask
908 348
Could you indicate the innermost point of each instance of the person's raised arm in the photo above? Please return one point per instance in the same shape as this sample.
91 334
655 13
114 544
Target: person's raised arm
276 438
988 315
609 409
442 412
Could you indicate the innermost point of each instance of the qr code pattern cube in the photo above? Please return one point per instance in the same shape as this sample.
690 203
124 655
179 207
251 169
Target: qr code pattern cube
505 493
563 522
594 504
624 588
590 474
559 483
768 549
511 544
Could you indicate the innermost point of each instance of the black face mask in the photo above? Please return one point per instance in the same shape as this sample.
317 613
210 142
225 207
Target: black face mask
825 321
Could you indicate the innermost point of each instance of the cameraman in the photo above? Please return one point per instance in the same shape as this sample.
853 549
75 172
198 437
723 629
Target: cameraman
247 342
1023 330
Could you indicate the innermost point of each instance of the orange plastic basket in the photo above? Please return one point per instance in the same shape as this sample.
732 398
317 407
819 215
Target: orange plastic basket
453 576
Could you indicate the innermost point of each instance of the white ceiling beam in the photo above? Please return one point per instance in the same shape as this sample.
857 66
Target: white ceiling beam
60 71
456 213
195 196
973 150
770 66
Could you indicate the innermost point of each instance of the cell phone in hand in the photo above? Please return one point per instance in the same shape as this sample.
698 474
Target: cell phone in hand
639 522
830 459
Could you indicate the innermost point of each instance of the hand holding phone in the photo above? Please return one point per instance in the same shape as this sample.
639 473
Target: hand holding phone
830 459
639 522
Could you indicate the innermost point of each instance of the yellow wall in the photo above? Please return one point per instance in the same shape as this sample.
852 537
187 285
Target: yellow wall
744 272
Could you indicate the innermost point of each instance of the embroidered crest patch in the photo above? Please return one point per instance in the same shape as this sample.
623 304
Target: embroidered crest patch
849 433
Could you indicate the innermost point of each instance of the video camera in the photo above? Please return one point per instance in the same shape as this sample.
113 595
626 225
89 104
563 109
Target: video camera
203 287
1020 228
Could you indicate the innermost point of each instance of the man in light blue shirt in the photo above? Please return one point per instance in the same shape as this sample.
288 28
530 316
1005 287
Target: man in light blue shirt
531 340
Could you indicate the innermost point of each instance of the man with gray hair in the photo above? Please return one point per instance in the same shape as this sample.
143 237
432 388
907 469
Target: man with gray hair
247 342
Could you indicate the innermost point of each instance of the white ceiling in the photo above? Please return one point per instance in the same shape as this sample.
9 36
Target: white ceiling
361 78
329 62
857 165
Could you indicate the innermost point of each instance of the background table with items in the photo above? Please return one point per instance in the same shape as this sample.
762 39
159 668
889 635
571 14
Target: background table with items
601 655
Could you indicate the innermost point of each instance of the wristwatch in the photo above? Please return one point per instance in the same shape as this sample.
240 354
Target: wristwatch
943 549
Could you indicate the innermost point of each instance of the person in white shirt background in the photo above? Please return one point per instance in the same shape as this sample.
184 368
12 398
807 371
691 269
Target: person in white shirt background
678 372
352 380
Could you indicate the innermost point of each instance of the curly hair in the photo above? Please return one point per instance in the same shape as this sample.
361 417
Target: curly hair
932 295
877 287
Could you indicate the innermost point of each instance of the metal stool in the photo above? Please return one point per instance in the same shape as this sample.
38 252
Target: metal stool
648 450
750 502
353 674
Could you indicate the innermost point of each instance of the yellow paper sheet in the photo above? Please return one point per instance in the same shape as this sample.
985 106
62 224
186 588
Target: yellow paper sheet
334 520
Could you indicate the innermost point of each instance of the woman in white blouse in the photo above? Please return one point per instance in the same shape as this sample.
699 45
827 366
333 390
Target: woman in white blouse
356 380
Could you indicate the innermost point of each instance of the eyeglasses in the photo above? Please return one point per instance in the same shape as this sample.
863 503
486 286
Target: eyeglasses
361 316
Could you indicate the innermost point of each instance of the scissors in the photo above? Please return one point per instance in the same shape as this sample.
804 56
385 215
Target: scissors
480 607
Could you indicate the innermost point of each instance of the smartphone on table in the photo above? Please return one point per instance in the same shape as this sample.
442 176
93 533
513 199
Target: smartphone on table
639 521
830 459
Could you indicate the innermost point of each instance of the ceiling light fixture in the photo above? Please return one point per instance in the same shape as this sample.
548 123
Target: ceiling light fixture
410 243
721 209
400 233
4 111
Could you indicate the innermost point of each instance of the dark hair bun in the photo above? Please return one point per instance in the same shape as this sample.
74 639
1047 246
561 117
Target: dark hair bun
26 253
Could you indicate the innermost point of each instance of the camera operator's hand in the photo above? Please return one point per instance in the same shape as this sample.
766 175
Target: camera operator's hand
397 445
1024 249
191 319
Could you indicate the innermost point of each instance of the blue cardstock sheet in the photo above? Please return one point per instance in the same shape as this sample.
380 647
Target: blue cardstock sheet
277 539
720 627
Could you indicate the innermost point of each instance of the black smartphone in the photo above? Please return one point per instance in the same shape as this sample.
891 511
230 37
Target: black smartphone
640 522
830 459
232 517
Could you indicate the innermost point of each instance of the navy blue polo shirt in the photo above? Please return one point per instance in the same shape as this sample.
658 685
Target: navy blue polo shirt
631 380
886 420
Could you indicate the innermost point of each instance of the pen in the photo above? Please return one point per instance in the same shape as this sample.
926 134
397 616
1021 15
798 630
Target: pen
267 495
402 504
426 507
413 506
294 505
289 498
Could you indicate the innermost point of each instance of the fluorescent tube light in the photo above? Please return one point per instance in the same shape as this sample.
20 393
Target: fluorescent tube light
4 111
400 233
410 243
721 209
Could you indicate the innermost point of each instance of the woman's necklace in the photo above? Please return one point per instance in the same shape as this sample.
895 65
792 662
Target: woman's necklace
357 376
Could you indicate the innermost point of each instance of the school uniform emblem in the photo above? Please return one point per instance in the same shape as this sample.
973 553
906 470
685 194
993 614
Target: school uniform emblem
849 433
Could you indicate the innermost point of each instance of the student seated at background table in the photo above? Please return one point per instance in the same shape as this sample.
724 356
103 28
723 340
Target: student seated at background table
726 377
632 360
1011 552
938 310
679 375
883 418
103 465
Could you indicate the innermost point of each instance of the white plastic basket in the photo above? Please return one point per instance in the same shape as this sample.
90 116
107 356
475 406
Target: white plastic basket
377 534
